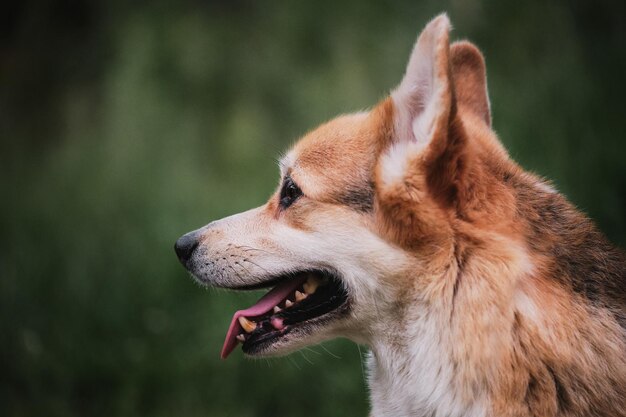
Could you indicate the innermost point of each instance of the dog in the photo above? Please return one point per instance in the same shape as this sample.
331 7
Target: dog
477 287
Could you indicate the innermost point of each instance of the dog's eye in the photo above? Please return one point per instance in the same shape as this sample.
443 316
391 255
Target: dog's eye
289 193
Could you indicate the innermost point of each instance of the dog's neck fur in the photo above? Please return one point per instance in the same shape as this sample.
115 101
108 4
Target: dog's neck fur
417 380
423 363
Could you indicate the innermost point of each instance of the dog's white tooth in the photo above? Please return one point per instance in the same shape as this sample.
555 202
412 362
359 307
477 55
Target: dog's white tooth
248 325
300 296
241 338
277 309
288 303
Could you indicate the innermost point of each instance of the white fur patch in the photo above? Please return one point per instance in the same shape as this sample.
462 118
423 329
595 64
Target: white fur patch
420 379
526 306
394 163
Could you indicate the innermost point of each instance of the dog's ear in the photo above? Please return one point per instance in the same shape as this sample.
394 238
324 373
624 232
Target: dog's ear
470 79
428 139
427 152
424 98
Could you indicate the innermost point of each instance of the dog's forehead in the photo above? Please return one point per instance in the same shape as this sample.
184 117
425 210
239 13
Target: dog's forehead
326 143
337 153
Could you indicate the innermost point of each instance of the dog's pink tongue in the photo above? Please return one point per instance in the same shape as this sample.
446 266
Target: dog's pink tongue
265 304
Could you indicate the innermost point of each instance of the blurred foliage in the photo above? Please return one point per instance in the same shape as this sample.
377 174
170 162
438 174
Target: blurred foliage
125 124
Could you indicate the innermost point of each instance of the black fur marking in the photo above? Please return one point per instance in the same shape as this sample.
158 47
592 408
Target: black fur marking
531 395
562 397
585 261
460 262
360 198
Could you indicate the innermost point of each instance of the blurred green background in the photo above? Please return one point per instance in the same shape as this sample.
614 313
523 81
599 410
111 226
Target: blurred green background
125 124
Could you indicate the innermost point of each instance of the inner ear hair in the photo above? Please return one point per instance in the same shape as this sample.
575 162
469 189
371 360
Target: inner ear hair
469 76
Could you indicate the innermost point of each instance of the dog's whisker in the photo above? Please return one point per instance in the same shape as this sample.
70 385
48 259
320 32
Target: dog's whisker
310 349
305 357
361 359
250 249
244 267
235 271
257 265
329 352
293 361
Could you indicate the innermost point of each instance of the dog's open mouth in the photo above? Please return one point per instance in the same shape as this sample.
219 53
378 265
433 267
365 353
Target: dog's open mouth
296 302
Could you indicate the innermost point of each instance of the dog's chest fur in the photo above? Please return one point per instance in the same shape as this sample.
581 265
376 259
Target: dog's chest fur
418 379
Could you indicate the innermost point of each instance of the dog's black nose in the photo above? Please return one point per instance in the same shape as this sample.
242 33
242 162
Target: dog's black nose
185 246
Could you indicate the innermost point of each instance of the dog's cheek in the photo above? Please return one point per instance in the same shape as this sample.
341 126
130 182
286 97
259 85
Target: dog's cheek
300 216
313 216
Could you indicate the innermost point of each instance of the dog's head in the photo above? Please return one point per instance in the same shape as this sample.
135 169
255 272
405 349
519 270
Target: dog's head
364 213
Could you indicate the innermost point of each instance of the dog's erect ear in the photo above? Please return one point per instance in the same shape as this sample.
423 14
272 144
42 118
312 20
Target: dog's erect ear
424 108
423 99
428 140
470 79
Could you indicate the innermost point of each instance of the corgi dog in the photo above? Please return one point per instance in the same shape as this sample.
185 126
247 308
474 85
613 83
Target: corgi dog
478 288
